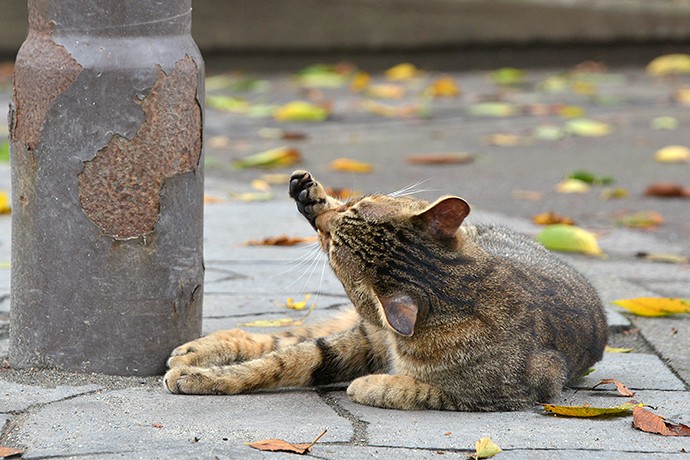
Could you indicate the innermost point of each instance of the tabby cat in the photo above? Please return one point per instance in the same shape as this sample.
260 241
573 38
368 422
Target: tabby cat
450 317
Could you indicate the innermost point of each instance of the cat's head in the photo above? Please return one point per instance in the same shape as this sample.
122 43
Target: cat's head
387 251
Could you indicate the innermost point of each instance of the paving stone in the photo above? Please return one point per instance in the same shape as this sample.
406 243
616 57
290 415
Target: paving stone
524 430
144 420
636 370
18 397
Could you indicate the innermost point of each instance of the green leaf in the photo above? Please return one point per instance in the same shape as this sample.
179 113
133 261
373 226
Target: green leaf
569 238
4 152
591 178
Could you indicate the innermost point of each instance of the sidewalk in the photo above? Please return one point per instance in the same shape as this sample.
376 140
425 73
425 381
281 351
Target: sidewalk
52 414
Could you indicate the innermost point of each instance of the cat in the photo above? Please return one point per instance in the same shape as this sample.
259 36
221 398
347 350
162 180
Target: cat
446 316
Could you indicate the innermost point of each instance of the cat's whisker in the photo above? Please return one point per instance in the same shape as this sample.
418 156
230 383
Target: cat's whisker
411 189
314 264
304 259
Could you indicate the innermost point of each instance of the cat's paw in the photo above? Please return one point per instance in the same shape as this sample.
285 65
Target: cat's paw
218 348
189 380
395 392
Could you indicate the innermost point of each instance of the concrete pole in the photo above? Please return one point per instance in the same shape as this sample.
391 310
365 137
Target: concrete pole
107 186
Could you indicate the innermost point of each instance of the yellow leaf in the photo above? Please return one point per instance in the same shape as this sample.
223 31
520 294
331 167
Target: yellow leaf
486 448
359 82
669 64
443 87
608 349
551 218
386 91
614 193
493 109
227 104
589 411
292 305
569 238
300 111
5 207
274 158
665 122
572 186
252 196
571 111
402 72
585 127
349 165
654 306
260 185
673 154
504 139
279 322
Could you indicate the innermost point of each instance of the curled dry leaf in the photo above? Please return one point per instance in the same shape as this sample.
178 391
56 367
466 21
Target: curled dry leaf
350 165
647 421
282 240
439 158
10 452
641 219
589 411
654 306
486 448
274 158
622 389
443 87
278 445
551 218
667 190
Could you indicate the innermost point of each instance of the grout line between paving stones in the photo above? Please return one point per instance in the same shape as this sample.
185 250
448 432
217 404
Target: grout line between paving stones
360 434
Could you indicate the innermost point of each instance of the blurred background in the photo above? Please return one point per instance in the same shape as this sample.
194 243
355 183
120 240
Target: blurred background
436 34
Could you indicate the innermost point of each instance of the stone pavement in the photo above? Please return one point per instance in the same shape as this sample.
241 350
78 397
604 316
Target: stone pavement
53 414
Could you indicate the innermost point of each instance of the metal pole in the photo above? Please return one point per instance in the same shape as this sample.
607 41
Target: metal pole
107 186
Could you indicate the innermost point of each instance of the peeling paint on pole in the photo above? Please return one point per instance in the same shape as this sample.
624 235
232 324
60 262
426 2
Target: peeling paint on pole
119 189
107 186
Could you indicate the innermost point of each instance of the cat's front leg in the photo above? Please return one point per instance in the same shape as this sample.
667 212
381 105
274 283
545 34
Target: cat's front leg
398 392
220 348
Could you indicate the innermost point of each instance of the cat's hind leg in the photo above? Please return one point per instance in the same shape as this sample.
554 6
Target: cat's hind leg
398 391
235 345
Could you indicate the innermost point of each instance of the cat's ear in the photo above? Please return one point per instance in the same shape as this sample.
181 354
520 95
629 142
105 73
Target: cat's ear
444 216
400 311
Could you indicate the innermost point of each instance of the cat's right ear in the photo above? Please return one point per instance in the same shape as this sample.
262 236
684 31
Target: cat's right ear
444 216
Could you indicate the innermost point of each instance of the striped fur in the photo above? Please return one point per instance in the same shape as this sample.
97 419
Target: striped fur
445 317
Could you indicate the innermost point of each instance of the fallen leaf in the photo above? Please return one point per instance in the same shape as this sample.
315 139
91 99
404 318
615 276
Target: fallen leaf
402 72
608 349
574 111
620 387
667 190
663 258
569 238
278 445
227 104
647 421
551 218
274 158
277 133
504 139
252 196
590 178
443 87
588 371
5 206
527 195
359 82
386 91
664 123
549 133
10 452
669 64
282 240
342 193
210 199
493 109
439 158
585 127
323 76
389 111
4 152
614 193
299 305
157 425
486 448
682 96
673 154
260 185
276 179
301 111
585 88
589 411
640 219
654 306
350 165
572 186
508 76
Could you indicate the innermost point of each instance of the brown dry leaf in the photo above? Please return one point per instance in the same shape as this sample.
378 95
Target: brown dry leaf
667 190
505 139
350 165
622 389
282 240
10 452
589 411
278 445
550 218
386 91
649 422
439 158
